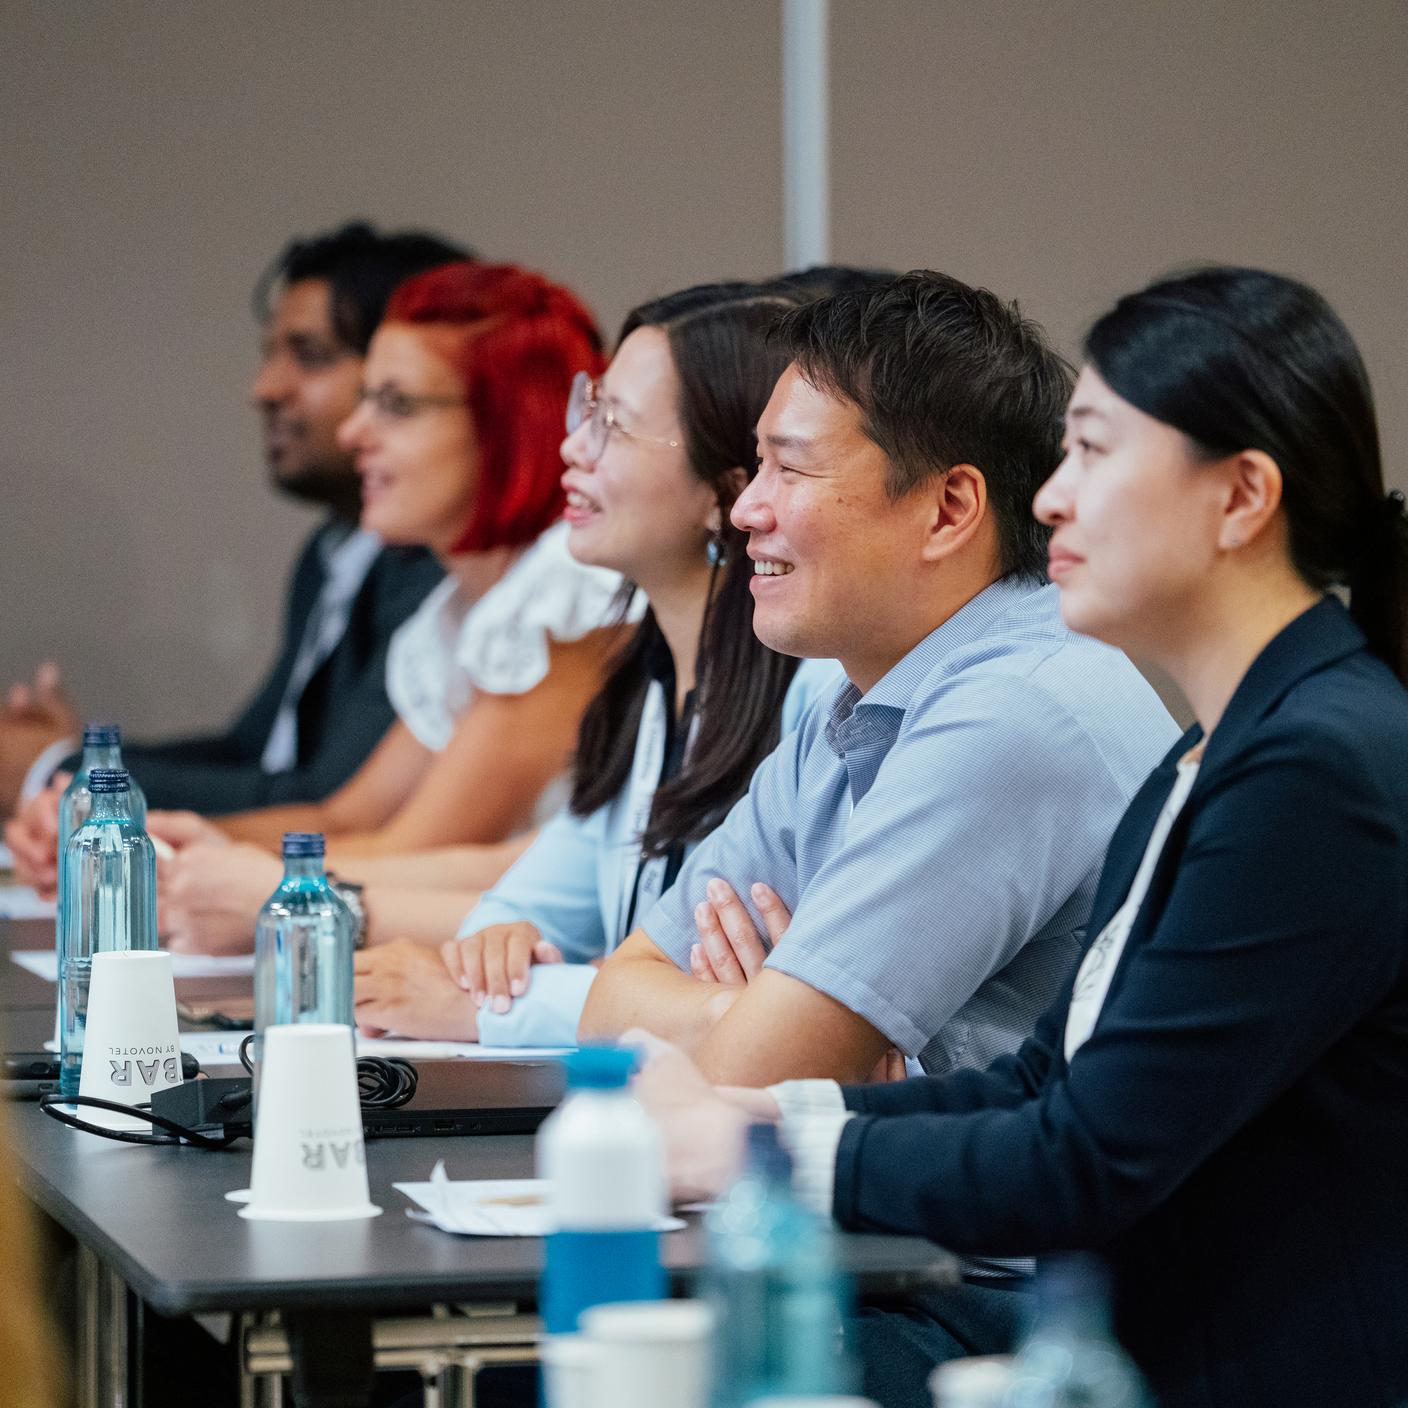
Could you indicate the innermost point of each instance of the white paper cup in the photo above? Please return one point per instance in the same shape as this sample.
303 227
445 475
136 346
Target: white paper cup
131 1043
569 1364
981 1381
654 1352
309 1160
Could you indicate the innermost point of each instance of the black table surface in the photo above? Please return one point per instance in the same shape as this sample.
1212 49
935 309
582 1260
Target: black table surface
159 1216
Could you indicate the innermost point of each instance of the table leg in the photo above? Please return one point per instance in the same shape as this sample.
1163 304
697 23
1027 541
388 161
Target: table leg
332 1358
109 1369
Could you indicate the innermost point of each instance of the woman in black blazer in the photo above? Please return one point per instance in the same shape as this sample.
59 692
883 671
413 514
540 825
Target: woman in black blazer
1218 1103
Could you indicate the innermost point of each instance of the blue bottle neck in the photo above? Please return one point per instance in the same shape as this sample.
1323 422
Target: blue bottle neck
102 755
304 868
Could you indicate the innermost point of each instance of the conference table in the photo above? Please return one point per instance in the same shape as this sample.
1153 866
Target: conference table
319 1303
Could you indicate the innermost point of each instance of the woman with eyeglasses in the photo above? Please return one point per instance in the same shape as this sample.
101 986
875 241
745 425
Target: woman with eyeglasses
1216 1103
657 451
456 443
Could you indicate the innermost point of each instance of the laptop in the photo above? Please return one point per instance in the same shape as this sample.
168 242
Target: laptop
473 1097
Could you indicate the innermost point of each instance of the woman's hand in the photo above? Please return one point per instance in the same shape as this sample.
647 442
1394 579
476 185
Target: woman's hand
404 987
492 965
210 893
181 829
32 835
703 1126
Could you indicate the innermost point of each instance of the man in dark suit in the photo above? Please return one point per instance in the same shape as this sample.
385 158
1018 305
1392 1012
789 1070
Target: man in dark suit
323 707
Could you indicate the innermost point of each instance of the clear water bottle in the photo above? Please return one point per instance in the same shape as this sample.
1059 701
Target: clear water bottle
107 896
102 748
604 1162
773 1281
1070 1358
302 944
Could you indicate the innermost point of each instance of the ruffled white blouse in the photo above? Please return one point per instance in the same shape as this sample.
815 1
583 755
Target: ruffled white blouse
451 648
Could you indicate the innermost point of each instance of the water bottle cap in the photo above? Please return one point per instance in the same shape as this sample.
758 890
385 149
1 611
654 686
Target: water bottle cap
102 736
108 780
600 1067
302 844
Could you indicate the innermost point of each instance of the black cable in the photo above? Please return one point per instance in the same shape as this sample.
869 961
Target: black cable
52 1102
384 1082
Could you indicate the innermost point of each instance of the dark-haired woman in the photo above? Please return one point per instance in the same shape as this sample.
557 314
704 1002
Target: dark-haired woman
455 440
656 453
1216 1104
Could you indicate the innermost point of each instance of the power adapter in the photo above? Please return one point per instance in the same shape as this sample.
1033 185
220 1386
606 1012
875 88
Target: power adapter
218 1107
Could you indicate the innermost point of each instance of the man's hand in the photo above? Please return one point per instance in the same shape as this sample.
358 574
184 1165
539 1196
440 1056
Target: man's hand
730 950
33 716
404 987
492 965
210 893
703 1129
32 835
42 701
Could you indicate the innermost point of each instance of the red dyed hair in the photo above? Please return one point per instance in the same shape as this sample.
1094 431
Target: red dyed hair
517 341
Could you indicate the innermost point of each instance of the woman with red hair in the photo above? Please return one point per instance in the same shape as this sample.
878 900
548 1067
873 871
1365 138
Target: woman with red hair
456 440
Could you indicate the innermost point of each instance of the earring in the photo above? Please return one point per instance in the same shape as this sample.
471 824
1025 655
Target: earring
716 550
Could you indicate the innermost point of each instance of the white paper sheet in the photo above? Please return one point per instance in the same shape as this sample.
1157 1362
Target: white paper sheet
44 963
492 1207
20 902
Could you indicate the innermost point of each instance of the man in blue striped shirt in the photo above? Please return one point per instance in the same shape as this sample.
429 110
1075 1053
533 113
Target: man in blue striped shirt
925 846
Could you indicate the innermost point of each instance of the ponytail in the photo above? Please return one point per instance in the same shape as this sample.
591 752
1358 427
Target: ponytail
1378 582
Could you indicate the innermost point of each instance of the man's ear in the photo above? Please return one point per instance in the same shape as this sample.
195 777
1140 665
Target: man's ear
959 507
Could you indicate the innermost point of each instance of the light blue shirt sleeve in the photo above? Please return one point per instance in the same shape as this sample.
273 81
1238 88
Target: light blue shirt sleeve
553 885
547 1014
991 810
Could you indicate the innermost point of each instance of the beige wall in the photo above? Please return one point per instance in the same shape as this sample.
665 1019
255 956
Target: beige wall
156 154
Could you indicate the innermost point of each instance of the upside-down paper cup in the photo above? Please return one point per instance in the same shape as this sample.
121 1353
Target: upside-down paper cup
310 1163
131 1043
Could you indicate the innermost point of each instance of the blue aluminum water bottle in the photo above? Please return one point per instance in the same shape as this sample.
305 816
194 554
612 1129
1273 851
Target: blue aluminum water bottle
604 1162
107 897
302 945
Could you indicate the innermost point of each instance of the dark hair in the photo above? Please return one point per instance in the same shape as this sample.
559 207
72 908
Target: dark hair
362 268
823 280
1241 359
515 341
727 366
945 374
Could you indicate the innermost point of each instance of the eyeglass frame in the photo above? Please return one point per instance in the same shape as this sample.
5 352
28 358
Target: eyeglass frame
393 404
586 407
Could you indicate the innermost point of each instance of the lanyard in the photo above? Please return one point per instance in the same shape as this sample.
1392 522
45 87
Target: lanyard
654 764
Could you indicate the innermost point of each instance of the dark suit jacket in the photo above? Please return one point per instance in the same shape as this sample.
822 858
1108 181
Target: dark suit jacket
342 713
1233 1137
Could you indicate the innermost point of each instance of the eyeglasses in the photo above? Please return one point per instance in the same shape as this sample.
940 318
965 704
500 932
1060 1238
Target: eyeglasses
585 407
391 403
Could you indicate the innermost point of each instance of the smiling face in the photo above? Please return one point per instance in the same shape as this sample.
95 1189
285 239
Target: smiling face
836 558
305 388
637 507
1139 518
420 470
